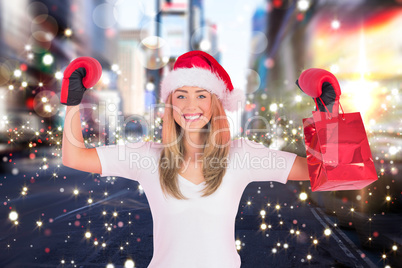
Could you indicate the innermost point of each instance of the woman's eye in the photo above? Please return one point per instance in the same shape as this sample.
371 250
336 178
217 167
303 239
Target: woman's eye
203 97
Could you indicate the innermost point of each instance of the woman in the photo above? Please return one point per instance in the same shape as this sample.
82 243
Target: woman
195 178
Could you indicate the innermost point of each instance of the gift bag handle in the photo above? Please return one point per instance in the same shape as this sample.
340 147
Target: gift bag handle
330 115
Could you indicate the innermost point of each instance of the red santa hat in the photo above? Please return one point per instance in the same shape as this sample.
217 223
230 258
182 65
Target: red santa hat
199 69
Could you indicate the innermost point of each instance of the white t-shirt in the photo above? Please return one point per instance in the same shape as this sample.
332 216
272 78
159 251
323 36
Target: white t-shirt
199 232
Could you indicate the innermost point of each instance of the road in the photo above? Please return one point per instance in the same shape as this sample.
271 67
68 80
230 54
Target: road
287 241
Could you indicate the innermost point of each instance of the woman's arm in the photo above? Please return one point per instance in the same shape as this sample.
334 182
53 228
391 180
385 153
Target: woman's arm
74 153
299 171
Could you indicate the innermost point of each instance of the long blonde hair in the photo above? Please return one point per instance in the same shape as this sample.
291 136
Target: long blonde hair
215 156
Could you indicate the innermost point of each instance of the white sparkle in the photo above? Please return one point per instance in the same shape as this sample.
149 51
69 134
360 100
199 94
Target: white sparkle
13 215
88 235
327 232
129 264
303 196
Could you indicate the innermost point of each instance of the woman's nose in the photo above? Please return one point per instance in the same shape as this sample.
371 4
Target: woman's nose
192 102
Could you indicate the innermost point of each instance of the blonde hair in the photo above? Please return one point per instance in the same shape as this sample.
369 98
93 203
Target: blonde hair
215 156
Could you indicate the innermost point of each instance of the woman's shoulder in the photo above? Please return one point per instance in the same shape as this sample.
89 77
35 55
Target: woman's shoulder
244 144
242 141
237 144
142 146
155 147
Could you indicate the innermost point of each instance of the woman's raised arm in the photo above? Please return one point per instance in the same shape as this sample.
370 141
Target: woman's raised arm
74 153
81 74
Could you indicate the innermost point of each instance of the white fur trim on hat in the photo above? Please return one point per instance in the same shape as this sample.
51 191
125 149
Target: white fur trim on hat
202 78
233 100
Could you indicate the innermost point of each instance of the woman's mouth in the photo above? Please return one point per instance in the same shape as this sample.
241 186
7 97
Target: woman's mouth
191 117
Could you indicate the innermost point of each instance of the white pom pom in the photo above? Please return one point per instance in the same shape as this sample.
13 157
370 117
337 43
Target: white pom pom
234 100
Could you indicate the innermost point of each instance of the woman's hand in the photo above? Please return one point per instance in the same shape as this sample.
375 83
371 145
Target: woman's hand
81 74
322 86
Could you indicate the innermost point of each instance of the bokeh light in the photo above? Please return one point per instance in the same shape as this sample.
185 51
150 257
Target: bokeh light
37 8
260 42
200 37
335 24
303 5
68 32
104 15
5 74
252 80
44 28
49 107
154 51
47 59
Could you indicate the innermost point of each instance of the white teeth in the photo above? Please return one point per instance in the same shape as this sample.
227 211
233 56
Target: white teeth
192 117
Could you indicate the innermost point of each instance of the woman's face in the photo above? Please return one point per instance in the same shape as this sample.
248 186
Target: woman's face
191 107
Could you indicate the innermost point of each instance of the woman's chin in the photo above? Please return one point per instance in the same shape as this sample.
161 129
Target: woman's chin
193 126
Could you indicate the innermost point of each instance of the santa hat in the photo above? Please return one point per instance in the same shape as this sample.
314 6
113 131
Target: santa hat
199 69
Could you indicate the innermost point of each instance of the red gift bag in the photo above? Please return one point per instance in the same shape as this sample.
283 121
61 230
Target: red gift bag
338 152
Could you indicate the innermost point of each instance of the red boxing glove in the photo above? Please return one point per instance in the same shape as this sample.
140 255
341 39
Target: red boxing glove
81 74
321 84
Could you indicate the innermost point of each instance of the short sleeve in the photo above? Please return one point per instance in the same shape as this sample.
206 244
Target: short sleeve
127 160
265 164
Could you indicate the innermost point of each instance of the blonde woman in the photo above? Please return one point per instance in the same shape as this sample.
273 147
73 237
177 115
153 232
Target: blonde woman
195 178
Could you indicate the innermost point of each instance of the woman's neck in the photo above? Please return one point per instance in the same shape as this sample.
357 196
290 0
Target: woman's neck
193 146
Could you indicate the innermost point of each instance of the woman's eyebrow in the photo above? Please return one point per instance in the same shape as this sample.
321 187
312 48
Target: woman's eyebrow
185 91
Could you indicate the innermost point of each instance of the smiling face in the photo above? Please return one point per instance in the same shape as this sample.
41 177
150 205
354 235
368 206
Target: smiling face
191 107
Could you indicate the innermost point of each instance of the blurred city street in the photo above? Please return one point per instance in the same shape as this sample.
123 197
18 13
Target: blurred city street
54 216
295 230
